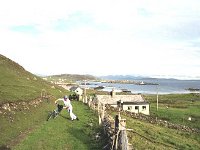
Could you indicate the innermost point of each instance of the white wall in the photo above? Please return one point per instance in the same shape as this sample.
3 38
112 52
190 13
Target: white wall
139 110
79 91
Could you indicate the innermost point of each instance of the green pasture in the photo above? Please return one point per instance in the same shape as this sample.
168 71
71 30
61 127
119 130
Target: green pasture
176 108
149 136
55 134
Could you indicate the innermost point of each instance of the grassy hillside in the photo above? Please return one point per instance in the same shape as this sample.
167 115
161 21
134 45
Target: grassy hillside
151 136
23 114
30 130
17 84
177 108
173 108
18 88
25 125
70 78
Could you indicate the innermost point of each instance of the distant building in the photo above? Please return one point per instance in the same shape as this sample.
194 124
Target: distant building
132 103
77 90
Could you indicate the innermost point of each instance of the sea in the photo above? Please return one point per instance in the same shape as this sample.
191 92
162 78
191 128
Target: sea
160 86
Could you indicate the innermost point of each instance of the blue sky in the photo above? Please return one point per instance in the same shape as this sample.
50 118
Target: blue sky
118 37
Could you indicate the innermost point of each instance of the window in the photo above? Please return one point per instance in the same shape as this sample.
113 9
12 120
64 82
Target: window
129 107
143 107
136 107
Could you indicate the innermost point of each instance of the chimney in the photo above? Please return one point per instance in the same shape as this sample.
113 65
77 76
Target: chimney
113 93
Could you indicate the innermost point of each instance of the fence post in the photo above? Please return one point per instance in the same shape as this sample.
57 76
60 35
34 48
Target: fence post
122 125
98 107
89 102
123 135
99 112
116 123
103 111
124 140
99 120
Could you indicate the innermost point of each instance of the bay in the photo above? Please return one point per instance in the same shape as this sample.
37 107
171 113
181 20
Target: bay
165 86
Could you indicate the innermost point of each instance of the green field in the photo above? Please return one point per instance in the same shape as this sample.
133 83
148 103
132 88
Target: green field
177 108
151 136
26 127
30 130
145 135
61 133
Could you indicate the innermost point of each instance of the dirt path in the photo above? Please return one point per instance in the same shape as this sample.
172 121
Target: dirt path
20 138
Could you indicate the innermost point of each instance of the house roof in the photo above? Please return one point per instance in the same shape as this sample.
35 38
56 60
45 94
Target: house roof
74 88
135 103
108 99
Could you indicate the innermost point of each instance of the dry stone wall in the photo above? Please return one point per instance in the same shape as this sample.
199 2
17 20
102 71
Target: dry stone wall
154 120
9 109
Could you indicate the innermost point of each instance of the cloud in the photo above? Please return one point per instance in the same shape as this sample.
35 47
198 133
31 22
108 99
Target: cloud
74 20
102 37
27 29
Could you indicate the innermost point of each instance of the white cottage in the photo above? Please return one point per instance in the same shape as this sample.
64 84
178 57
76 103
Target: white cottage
132 103
77 90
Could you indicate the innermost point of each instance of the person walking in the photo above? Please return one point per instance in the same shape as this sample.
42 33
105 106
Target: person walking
68 106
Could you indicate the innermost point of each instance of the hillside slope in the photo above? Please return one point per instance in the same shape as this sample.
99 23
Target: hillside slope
21 107
17 84
61 133
23 114
71 77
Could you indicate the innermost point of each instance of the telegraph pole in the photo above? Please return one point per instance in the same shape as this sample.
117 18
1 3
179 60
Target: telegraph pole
85 92
157 96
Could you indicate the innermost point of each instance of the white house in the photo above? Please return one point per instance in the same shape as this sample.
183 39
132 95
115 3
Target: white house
132 103
136 107
77 90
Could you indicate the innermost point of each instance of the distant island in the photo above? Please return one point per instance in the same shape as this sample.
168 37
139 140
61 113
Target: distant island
193 89
128 82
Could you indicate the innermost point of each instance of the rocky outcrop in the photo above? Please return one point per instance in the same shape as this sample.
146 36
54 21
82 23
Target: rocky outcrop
9 109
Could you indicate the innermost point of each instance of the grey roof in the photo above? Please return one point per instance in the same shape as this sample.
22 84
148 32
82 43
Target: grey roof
108 99
73 88
136 103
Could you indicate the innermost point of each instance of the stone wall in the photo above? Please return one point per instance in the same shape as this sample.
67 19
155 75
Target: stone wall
117 139
154 120
9 109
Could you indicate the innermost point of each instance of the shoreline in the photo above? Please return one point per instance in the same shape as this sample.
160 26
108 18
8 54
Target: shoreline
164 87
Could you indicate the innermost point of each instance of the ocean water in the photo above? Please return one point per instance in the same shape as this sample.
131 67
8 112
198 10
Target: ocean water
165 86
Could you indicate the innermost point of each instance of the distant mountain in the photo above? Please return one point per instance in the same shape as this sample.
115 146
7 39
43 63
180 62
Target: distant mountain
135 77
71 77
122 77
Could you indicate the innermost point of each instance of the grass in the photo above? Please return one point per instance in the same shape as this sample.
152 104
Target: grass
148 136
177 108
61 133
17 84
145 135
28 129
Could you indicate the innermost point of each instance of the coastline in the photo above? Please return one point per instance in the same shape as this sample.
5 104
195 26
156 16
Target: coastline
162 86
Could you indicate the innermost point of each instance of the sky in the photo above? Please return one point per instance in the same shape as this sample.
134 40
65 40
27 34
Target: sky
103 37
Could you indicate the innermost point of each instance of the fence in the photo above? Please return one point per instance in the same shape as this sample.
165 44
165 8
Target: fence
115 129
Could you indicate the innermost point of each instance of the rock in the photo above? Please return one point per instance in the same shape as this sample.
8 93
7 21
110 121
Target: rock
6 107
